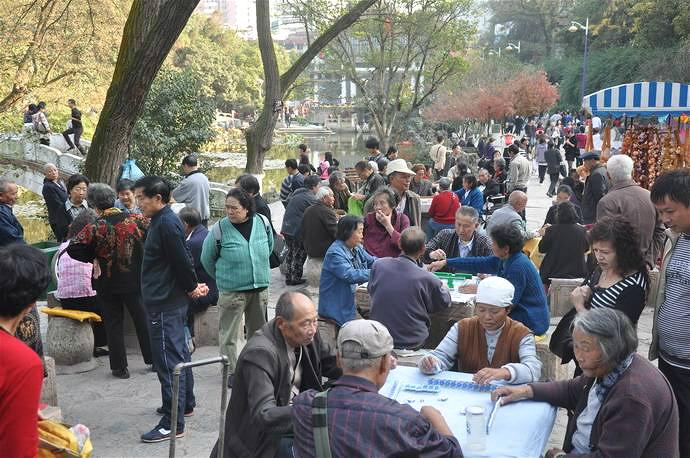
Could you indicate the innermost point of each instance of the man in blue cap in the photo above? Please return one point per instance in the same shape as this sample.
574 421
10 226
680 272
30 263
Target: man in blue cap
596 186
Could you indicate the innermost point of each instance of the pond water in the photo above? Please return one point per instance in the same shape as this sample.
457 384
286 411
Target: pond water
31 212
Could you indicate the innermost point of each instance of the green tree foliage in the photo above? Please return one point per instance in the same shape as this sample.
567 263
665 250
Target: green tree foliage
228 66
177 119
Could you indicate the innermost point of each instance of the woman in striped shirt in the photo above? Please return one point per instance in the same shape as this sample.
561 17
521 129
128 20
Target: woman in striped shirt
620 279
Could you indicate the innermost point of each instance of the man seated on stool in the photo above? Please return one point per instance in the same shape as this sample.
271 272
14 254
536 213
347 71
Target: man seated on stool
490 345
403 295
355 420
463 241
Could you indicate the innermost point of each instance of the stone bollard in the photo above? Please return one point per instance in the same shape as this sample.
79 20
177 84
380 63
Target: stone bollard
206 327
49 389
70 343
312 272
551 367
559 295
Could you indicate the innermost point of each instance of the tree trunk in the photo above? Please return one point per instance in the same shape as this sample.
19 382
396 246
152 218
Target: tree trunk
151 29
259 136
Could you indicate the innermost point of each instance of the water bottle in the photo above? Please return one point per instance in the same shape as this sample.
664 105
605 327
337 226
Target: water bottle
476 428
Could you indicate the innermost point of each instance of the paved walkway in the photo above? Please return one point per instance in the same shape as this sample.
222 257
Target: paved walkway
119 411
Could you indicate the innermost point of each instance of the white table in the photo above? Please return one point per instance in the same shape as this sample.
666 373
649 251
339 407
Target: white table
520 430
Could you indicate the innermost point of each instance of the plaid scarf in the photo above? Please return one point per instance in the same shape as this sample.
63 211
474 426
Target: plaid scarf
606 383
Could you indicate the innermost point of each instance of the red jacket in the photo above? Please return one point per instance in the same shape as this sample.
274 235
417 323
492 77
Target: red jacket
443 207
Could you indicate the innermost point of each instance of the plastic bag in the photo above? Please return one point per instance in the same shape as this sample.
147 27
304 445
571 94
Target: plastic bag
131 171
355 207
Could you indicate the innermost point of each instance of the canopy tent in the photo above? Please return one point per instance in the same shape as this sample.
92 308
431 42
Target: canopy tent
645 99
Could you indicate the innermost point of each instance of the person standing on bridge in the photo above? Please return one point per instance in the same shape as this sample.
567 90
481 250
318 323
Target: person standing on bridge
75 127
55 196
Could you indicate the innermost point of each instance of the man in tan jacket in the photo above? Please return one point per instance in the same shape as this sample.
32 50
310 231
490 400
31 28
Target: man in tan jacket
438 155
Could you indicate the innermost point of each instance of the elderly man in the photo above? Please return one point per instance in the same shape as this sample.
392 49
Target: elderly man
500 174
519 170
461 242
403 295
11 230
300 200
55 196
194 188
510 214
488 185
376 425
371 181
596 186
280 360
319 227
671 330
341 191
626 199
399 179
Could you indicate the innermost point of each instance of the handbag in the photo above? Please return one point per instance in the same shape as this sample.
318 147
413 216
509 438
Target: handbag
561 343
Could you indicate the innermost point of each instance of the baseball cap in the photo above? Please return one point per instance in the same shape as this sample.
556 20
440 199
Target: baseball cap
496 291
373 339
591 155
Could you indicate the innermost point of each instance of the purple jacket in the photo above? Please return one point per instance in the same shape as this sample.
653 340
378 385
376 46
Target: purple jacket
377 241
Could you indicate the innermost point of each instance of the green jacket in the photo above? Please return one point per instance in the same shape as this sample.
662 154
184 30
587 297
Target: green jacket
239 265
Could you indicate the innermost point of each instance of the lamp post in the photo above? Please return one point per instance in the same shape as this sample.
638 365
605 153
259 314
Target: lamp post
513 47
574 27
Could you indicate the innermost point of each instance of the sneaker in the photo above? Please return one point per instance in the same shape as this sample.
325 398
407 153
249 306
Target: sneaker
159 434
121 373
99 351
187 413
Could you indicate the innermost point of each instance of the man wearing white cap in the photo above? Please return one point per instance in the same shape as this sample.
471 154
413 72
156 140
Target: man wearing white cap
352 419
399 179
490 345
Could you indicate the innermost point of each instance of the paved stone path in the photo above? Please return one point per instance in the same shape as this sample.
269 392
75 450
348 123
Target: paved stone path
119 411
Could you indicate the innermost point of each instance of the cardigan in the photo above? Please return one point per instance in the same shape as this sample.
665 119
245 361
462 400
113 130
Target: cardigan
240 265
529 301
638 417
472 198
319 226
11 230
443 207
377 240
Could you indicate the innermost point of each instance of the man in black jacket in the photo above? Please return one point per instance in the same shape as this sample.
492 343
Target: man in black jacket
491 187
168 279
281 360
55 196
596 186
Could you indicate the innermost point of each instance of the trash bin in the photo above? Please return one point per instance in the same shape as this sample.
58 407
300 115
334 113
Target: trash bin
49 249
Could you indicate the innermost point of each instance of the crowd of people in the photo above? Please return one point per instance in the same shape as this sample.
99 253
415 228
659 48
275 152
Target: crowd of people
125 248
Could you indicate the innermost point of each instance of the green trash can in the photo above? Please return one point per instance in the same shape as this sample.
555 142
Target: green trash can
49 249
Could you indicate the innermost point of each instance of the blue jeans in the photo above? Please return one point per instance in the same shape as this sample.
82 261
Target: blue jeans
433 228
169 348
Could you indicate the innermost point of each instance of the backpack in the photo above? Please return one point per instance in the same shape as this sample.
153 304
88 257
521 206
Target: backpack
276 257
39 125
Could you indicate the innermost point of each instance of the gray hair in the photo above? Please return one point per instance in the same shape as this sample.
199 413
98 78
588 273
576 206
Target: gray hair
620 167
444 183
466 210
48 166
83 219
4 183
614 332
356 365
389 194
500 162
412 240
323 192
336 177
101 196
285 307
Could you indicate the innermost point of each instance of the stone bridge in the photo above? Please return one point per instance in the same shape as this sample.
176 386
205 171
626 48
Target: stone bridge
22 160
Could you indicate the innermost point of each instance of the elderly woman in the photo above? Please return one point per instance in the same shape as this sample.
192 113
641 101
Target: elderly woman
236 253
341 192
490 345
622 405
470 195
419 183
383 225
443 207
345 266
565 245
116 240
509 262
74 281
620 279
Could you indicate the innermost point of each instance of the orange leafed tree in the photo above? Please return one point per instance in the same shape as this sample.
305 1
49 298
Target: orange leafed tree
532 93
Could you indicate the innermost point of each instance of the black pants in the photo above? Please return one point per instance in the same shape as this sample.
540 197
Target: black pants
77 135
680 382
294 258
113 315
542 172
88 304
553 177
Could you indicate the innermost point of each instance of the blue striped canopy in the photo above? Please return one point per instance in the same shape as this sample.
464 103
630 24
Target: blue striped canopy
646 99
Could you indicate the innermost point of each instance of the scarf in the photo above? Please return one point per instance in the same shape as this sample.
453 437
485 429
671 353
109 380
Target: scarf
606 383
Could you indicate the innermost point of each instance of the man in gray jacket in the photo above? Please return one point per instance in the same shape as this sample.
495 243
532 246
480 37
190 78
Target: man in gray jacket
194 189
281 360
626 199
